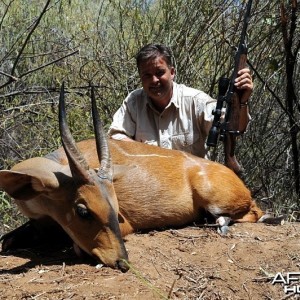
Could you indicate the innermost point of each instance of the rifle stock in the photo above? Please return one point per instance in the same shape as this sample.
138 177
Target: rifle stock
237 120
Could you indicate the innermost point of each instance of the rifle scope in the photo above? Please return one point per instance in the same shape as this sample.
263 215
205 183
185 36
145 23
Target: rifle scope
214 132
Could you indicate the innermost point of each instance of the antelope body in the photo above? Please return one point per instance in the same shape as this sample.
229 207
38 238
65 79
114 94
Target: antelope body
105 191
158 187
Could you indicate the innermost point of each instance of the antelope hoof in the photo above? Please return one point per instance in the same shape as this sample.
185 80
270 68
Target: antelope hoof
268 219
7 242
223 230
22 237
223 225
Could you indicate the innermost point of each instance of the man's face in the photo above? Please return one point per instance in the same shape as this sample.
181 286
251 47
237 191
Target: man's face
157 80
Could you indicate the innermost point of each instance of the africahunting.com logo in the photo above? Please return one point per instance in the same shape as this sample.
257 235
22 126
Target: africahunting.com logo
289 282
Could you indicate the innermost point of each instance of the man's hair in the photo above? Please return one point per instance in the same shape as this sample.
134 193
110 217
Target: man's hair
152 51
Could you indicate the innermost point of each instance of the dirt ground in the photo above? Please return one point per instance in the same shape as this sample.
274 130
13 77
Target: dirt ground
188 263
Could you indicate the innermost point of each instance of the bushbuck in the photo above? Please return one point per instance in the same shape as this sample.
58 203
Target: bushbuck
98 191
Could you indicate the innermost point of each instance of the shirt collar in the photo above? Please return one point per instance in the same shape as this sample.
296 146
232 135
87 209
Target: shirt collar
175 95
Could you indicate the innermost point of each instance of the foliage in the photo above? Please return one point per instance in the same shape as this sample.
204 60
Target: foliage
44 43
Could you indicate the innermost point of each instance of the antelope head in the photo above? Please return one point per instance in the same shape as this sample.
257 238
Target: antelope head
92 219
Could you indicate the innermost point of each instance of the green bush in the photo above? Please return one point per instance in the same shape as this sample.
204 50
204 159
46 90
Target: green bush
79 42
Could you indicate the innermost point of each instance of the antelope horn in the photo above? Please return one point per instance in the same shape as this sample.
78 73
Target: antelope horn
77 162
105 170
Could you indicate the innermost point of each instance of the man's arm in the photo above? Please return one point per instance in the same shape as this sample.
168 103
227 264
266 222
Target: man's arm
123 126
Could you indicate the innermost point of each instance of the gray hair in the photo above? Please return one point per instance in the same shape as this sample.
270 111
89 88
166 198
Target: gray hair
152 51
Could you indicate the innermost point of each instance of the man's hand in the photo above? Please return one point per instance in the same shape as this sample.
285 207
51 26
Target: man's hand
244 82
121 137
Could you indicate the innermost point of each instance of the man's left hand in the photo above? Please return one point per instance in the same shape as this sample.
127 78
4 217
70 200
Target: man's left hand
244 82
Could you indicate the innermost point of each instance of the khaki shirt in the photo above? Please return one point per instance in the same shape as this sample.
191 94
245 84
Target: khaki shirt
183 125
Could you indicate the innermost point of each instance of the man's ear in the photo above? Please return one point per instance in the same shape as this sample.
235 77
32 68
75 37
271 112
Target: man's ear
24 185
173 72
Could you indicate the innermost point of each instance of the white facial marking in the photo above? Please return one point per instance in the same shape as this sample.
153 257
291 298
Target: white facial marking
68 217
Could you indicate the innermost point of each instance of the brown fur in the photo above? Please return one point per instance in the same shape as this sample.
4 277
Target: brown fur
160 188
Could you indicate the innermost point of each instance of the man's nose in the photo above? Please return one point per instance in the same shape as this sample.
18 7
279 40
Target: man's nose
155 79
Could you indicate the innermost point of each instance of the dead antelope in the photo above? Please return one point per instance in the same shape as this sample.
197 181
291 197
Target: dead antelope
99 192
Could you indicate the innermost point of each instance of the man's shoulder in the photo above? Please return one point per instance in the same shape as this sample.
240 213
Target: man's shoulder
136 95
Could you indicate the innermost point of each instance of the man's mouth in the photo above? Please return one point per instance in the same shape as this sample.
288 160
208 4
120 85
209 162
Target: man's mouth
156 89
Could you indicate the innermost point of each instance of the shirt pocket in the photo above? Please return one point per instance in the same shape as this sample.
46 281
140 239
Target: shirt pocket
184 141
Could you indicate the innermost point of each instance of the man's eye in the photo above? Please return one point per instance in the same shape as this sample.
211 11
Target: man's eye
83 211
160 73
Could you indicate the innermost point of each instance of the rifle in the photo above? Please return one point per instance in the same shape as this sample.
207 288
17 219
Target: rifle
234 124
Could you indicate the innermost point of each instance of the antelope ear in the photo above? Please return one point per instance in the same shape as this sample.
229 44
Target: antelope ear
24 185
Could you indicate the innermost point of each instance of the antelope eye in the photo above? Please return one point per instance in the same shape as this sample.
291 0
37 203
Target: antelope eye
83 211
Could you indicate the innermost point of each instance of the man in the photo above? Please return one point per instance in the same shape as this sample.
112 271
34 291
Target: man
165 113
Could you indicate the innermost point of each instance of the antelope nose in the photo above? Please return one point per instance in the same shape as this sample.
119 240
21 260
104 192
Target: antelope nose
122 265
